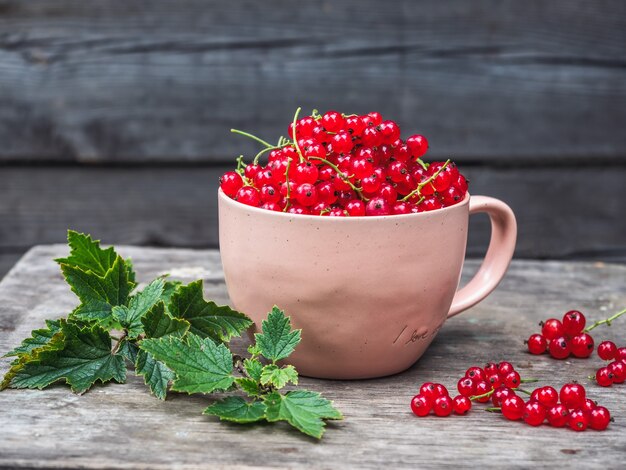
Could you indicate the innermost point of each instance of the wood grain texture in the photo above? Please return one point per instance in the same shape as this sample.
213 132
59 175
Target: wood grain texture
557 216
122 426
165 80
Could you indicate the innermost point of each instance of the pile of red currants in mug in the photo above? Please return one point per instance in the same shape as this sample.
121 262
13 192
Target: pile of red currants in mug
342 165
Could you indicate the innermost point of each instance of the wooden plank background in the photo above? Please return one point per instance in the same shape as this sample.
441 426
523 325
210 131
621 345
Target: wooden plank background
115 115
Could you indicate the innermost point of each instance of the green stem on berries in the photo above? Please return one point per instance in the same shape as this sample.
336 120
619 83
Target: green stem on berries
342 175
268 149
424 183
592 378
523 391
528 381
494 409
250 136
315 114
484 395
287 182
606 321
293 136
422 164
240 165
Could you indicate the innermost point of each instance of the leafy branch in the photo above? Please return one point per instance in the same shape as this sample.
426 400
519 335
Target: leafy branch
172 337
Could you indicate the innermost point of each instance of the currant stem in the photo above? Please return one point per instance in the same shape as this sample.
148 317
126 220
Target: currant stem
250 136
342 175
494 409
422 164
424 183
484 395
528 381
287 182
293 136
268 149
606 321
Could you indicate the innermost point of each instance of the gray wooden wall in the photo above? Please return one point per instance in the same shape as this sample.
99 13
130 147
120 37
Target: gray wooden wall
115 114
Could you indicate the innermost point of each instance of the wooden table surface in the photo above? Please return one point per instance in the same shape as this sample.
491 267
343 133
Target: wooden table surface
123 426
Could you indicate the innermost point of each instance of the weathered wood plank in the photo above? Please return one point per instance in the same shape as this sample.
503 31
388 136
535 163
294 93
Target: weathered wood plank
163 80
562 212
121 425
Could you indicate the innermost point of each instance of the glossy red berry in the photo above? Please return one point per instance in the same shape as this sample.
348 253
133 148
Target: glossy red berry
342 142
390 132
428 390
362 168
461 404
466 387
441 390
306 195
490 368
537 344
547 396
505 368
475 373
430 204
450 196
251 170
607 350
355 125
378 206
552 328
578 420
534 413
558 415
618 369
418 145
599 418
559 348
263 177
421 405
443 406
582 345
305 172
271 206
573 322
269 194
376 118
604 377
355 208
513 408
500 394
372 137
402 207
333 121
495 380
589 405
621 354
572 395
482 388
326 192
512 379
249 196
231 182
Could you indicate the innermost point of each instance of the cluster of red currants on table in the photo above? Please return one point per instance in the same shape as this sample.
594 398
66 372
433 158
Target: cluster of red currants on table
500 383
345 165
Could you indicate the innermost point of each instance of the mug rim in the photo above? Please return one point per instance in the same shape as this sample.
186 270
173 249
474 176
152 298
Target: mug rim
260 211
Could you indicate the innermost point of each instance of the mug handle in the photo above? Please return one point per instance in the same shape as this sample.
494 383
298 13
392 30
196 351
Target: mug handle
498 257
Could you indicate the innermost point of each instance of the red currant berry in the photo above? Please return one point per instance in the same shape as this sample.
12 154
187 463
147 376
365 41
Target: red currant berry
482 388
512 379
442 181
466 387
534 413
607 350
572 395
326 192
355 208
451 196
271 206
305 172
582 345
559 348
578 420
269 194
500 394
441 390
263 177
513 408
402 153
251 170
537 344
371 183
495 380
372 137
599 418
552 328
333 121
290 153
306 195
505 368
342 142
337 212
558 416
621 354
231 182
461 184
319 208
443 406
430 204
361 168
421 405
298 209
344 197
355 125
490 368
390 132
428 390
618 369
396 171
461 405
376 118
547 396
249 196
292 186
589 405
573 322
475 373
378 206
418 145
402 207
604 377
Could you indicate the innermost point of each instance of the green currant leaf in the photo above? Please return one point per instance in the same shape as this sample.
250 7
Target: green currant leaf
207 319
38 339
200 365
79 356
277 340
158 323
86 254
249 386
254 350
168 290
237 409
130 317
278 377
128 350
99 294
302 409
253 368
156 375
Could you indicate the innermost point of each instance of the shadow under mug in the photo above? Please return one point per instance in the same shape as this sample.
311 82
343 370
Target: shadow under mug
370 293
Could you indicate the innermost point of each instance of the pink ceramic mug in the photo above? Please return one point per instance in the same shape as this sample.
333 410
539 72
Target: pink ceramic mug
370 293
